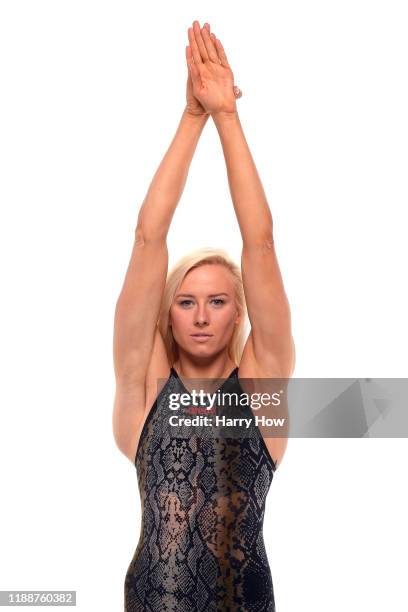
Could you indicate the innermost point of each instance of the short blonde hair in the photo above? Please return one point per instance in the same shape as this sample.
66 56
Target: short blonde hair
194 259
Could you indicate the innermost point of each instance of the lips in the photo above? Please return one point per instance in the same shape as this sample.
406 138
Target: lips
201 335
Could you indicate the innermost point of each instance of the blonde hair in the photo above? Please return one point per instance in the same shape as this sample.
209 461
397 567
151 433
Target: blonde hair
194 259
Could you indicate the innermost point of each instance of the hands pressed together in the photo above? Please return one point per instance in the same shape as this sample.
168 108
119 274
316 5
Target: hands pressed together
210 82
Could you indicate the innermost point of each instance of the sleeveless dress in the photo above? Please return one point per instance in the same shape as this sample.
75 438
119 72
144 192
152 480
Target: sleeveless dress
201 545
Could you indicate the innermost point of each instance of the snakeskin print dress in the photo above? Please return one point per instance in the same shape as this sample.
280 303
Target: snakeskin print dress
201 545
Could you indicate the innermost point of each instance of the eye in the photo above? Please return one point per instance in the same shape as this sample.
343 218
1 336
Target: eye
219 301
185 302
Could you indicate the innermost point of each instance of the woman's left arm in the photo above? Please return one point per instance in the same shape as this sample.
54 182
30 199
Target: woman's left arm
270 342
267 303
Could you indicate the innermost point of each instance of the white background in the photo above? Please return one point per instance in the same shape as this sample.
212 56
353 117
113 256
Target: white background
91 95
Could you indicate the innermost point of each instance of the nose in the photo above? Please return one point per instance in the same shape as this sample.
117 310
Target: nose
201 318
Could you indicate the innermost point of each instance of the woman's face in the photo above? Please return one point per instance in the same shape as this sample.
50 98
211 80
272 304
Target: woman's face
204 304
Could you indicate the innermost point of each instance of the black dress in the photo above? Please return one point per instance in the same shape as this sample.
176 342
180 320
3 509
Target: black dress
201 544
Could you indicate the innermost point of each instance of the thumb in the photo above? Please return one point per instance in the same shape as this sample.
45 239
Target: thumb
195 73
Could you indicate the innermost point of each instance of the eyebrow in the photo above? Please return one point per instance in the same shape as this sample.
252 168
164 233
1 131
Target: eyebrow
191 295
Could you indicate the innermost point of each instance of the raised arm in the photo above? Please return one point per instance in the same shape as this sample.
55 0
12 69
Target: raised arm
136 334
270 341
268 306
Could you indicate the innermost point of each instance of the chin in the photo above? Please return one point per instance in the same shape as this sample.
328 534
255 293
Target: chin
200 351
203 352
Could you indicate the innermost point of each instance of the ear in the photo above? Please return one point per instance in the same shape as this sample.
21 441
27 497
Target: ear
238 318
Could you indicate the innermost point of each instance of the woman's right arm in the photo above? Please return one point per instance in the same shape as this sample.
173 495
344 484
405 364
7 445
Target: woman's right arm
137 307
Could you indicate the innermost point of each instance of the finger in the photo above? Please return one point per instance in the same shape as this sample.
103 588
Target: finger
199 41
189 55
192 68
194 47
221 53
213 38
209 45
189 59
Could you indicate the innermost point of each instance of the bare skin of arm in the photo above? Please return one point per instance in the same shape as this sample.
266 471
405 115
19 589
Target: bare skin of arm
271 339
138 350
269 351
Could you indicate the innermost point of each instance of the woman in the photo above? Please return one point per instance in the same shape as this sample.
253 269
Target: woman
201 544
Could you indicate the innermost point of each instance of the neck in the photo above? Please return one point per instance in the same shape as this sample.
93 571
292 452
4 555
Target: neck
220 366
